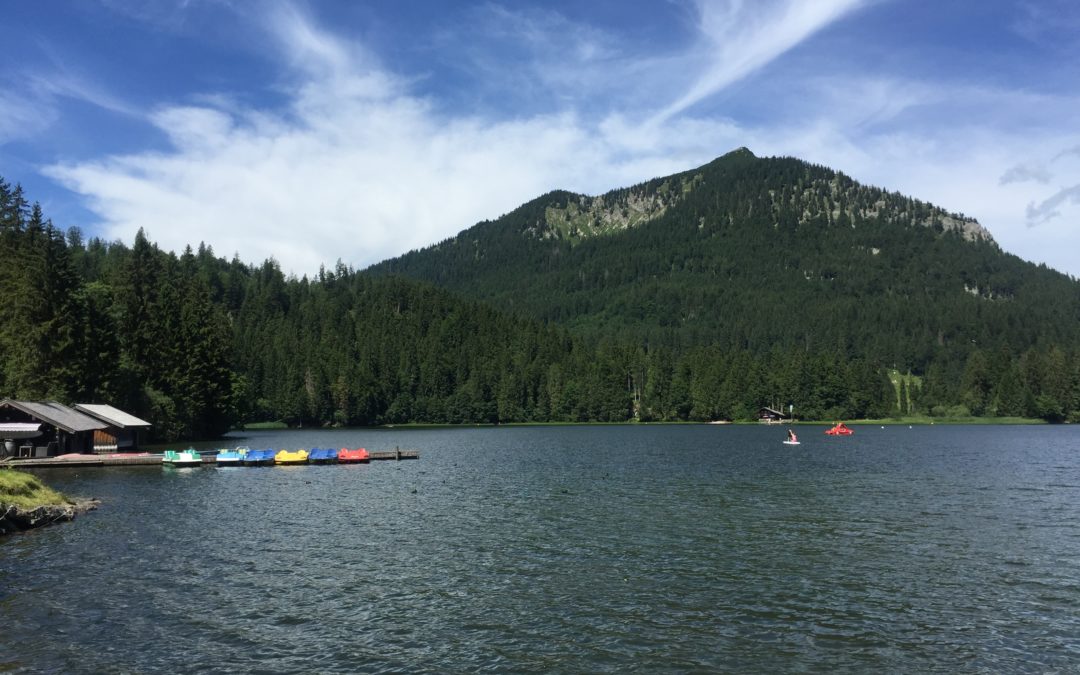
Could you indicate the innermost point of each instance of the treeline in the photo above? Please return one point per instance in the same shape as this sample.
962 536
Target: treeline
135 327
196 344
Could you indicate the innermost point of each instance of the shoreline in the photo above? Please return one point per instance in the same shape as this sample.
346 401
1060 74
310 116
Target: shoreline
27 503
18 519
890 421
926 421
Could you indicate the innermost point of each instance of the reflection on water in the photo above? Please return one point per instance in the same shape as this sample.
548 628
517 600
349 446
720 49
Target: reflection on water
568 549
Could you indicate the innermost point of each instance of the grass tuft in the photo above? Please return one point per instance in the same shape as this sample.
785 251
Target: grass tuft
26 491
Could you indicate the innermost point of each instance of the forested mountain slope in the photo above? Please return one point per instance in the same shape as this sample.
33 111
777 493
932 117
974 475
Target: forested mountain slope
755 254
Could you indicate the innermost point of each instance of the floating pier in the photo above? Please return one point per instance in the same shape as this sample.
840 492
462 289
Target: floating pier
142 459
395 454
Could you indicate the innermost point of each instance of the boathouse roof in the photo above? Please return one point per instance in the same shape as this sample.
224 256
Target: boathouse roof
111 415
56 414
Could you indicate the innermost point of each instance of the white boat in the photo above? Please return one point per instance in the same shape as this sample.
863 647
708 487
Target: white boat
187 457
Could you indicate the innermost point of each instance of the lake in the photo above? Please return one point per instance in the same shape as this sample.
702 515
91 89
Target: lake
568 549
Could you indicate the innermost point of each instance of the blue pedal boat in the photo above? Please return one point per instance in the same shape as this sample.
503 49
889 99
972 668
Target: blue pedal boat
323 455
259 457
226 457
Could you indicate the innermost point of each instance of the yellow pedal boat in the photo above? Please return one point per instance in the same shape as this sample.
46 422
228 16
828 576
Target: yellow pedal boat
291 457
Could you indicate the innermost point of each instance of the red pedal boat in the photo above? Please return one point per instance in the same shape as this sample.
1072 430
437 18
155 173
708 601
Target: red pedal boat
839 430
358 456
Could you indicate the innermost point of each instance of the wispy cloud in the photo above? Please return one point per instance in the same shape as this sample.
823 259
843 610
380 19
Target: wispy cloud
31 98
47 87
1048 209
742 37
1026 172
307 47
536 61
1056 22
165 15
1061 164
21 117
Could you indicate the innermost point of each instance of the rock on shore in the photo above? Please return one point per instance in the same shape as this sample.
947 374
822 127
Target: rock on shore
15 519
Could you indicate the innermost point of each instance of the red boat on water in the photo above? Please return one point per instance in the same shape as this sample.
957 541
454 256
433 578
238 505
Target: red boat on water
839 430
358 456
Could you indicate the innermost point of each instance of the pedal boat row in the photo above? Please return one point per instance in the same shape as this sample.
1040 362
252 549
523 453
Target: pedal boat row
248 457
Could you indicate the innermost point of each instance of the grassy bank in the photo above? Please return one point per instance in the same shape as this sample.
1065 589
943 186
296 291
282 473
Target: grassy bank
27 492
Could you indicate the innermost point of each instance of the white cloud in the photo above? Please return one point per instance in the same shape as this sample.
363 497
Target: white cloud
359 177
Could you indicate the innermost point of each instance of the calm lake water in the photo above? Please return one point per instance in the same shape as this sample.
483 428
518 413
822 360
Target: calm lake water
569 549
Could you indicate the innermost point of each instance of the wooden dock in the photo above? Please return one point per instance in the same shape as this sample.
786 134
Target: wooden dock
78 461
395 454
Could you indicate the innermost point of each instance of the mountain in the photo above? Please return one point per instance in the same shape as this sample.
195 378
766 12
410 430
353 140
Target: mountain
748 253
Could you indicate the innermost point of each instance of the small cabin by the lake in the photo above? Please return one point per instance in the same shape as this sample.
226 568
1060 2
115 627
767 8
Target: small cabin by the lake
767 415
60 429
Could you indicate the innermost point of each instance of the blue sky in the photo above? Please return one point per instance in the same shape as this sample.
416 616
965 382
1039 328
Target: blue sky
315 131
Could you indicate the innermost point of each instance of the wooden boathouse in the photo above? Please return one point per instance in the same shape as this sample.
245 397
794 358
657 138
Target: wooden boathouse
47 428
60 429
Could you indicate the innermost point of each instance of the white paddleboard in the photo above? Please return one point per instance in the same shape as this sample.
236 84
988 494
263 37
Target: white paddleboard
791 443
